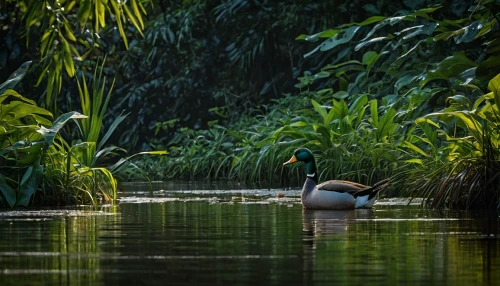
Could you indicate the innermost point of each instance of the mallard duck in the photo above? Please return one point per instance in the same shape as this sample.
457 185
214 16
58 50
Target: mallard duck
333 194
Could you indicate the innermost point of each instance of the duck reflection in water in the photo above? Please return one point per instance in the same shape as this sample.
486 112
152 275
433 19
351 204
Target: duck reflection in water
330 222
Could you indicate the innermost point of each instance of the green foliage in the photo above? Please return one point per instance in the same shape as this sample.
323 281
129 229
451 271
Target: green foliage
254 148
40 166
461 171
86 158
454 161
24 140
385 87
94 104
372 98
206 54
69 31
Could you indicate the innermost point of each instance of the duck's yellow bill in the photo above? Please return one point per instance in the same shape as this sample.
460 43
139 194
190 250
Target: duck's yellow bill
292 160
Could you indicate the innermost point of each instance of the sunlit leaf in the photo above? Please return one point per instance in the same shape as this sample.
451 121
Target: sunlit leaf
325 34
84 12
414 161
50 133
369 42
494 86
415 148
426 29
299 124
338 39
469 32
321 111
15 77
374 111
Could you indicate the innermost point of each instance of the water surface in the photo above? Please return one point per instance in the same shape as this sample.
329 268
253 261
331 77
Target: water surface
184 234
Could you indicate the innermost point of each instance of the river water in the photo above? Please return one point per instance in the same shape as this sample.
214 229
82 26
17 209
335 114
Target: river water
196 234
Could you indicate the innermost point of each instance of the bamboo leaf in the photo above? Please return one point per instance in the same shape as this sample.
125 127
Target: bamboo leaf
84 12
132 19
137 13
68 61
101 14
69 33
119 23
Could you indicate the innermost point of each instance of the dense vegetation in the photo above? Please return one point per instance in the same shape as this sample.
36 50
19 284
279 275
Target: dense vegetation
377 89
40 164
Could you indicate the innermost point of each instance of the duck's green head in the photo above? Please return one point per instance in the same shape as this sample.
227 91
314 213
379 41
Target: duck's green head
301 155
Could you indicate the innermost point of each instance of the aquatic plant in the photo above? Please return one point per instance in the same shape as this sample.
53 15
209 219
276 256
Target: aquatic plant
40 166
459 164
25 138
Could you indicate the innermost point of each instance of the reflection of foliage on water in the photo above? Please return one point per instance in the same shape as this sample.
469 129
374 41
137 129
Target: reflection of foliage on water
205 243
383 246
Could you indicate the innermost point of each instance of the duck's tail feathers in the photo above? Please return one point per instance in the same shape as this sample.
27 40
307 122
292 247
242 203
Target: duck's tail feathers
373 190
